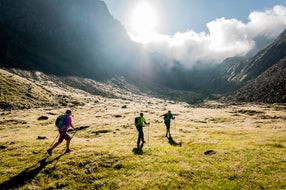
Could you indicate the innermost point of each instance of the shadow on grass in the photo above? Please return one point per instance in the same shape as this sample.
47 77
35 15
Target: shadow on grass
138 150
28 174
173 142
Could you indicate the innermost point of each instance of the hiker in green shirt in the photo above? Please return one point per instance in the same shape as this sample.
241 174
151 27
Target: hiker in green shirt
167 120
139 121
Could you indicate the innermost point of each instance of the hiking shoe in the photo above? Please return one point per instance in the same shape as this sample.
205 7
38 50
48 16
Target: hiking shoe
68 150
49 151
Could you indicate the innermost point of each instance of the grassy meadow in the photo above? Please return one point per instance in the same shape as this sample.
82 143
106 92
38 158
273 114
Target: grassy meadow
214 146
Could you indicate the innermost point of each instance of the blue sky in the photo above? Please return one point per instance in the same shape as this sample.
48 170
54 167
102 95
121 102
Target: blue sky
203 30
182 15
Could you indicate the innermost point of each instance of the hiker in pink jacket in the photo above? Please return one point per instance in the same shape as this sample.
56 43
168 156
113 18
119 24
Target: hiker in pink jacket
63 132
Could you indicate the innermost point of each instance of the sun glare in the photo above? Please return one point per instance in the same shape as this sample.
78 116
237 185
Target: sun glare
144 19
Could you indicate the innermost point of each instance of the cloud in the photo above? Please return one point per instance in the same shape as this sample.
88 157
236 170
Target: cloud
269 23
225 38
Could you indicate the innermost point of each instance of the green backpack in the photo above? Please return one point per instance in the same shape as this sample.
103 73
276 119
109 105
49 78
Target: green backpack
60 121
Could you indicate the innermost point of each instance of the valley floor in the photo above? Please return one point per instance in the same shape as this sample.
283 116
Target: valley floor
214 146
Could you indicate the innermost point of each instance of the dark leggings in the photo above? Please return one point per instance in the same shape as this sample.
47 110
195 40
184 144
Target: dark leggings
140 134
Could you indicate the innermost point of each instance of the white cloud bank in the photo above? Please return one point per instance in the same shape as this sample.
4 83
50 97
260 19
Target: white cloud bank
226 38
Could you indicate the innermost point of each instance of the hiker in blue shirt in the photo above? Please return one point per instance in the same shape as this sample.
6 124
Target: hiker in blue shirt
167 120
139 121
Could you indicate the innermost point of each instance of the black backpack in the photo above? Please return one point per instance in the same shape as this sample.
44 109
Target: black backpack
166 116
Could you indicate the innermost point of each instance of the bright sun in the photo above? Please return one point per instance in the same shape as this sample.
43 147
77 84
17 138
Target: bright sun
144 19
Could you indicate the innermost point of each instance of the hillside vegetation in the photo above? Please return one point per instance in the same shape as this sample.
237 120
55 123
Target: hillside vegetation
17 92
29 89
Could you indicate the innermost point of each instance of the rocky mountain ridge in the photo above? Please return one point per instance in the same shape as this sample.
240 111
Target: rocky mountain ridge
269 87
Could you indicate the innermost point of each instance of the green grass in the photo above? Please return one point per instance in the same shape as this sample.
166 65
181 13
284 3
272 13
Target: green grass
246 156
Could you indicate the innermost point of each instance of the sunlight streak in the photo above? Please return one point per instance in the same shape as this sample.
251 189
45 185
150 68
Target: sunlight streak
143 20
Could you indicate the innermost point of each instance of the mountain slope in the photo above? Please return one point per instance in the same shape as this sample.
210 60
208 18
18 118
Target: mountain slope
17 92
269 87
66 37
22 89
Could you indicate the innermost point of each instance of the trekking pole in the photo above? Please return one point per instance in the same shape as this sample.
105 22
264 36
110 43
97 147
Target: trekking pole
54 140
75 131
131 140
148 135
175 127
49 145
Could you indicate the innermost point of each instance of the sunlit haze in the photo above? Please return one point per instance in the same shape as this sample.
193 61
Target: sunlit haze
231 27
143 21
